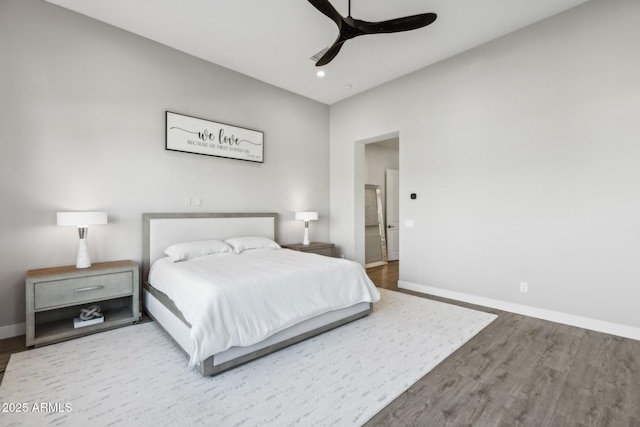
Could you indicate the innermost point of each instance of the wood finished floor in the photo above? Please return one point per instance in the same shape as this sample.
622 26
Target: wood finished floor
519 371
522 371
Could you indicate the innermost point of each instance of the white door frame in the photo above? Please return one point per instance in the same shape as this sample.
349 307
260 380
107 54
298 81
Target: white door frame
359 182
392 202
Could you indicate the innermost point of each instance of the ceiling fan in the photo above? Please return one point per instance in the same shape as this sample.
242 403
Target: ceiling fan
350 27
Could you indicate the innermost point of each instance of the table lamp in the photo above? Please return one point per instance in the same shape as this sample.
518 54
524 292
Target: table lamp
306 217
82 220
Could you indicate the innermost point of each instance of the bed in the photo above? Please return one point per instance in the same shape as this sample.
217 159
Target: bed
189 323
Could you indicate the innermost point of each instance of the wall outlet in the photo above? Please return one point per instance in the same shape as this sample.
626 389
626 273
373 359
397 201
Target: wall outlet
524 287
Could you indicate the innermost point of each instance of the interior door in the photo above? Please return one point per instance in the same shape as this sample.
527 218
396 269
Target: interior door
393 214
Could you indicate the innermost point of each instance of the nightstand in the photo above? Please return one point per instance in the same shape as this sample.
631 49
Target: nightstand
326 249
56 295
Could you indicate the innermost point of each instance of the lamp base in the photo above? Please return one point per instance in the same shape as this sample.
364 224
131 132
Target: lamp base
305 240
83 260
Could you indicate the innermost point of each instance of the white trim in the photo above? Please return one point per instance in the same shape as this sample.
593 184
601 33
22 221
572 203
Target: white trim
539 313
11 331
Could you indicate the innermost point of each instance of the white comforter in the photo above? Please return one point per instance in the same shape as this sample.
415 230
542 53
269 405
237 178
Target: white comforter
241 299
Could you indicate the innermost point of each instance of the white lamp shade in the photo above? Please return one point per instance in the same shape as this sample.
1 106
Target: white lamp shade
82 219
306 216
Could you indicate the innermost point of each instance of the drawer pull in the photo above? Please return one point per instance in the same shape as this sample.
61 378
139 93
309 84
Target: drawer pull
90 288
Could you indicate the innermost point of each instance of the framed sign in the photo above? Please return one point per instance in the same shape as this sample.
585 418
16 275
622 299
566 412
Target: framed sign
199 136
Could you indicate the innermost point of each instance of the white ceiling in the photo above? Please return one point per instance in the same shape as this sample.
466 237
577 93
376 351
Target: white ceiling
273 40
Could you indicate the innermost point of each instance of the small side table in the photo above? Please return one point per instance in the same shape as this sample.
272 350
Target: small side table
56 295
326 249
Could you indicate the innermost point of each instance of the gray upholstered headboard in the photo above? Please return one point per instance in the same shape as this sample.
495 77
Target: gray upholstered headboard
160 230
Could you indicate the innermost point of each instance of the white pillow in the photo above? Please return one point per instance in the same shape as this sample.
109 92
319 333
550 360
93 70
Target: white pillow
239 244
187 250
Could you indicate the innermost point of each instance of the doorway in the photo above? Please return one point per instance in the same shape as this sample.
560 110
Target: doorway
380 167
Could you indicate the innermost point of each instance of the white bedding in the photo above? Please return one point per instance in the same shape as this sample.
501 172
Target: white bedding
241 299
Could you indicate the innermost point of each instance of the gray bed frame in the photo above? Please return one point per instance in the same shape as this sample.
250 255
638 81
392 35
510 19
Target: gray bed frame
160 307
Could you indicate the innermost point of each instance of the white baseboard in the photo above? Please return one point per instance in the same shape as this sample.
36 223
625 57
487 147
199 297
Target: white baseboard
12 330
539 313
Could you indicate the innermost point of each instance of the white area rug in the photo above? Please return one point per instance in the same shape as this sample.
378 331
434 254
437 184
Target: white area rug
136 376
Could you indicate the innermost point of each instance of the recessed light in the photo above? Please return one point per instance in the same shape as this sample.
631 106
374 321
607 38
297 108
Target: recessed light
320 73
347 86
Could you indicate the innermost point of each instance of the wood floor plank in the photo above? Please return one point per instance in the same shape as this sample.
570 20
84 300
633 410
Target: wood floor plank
9 346
535 398
621 389
582 399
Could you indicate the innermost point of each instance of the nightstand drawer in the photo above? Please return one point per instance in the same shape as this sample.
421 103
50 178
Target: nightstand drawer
323 251
72 291
326 249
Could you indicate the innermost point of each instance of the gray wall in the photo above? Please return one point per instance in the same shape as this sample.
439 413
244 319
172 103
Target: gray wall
524 154
82 119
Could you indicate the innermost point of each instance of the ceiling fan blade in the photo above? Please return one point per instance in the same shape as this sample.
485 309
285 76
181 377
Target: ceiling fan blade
397 25
331 53
327 9
350 27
